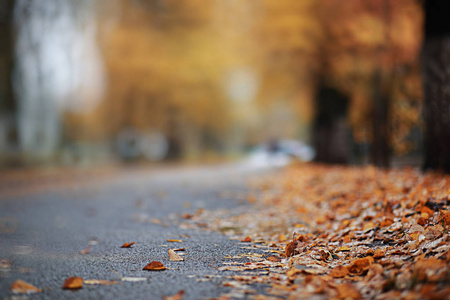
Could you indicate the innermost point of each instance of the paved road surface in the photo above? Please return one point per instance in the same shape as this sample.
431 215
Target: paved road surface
43 231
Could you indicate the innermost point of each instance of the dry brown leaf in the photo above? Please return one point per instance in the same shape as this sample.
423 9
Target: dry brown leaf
177 296
360 265
348 291
379 253
273 258
154 266
73 283
21 287
374 269
290 248
174 240
339 271
173 256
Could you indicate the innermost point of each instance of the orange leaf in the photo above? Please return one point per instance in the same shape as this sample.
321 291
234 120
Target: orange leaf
348 291
178 296
73 283
247 239
86 251
360 265
339 271
127 245
22 287
445 216
173 256
379 253
174 241
282 238
154 266
426 210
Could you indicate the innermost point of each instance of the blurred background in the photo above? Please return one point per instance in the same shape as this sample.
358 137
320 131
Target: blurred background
85 82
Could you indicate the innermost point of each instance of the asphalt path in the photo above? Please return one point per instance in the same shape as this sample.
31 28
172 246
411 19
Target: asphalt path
42 233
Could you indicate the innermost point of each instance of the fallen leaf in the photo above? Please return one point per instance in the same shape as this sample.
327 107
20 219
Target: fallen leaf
339 271
173 256
180 249
273 258
100 281
247 239
290 248
348 291
73 283
21 287
154 266
127 245
360 265
343 248
86 251
282 238
174 240
177 296
379 253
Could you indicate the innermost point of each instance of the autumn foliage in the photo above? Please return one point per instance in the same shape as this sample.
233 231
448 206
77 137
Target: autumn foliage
355 233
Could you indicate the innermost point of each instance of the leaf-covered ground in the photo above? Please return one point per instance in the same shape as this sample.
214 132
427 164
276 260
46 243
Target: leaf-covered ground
321 232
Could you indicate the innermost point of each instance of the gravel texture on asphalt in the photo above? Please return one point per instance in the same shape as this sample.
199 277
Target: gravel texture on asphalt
42 234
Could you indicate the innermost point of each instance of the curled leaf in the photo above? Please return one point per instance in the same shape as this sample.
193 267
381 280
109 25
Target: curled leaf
360 265
173 256
154 266
22 287
247 239
127 245
73 283
86 251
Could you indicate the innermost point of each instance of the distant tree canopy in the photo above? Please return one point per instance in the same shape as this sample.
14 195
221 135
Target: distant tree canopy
178 67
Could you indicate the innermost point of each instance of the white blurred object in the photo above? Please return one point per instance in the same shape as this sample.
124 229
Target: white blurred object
278 154
154 146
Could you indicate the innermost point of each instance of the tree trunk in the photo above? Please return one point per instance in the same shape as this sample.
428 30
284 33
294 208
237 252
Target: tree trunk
330 132
380 150
436 79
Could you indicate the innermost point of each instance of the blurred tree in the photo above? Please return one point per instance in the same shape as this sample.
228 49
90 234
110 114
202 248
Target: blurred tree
164 72
436 68
8 137
366 48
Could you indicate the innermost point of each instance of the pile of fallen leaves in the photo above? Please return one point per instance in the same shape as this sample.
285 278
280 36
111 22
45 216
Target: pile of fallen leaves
343 233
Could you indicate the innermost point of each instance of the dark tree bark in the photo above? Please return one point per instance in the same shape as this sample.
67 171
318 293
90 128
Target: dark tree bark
7 103
380 148
436 80
330 132
6 56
